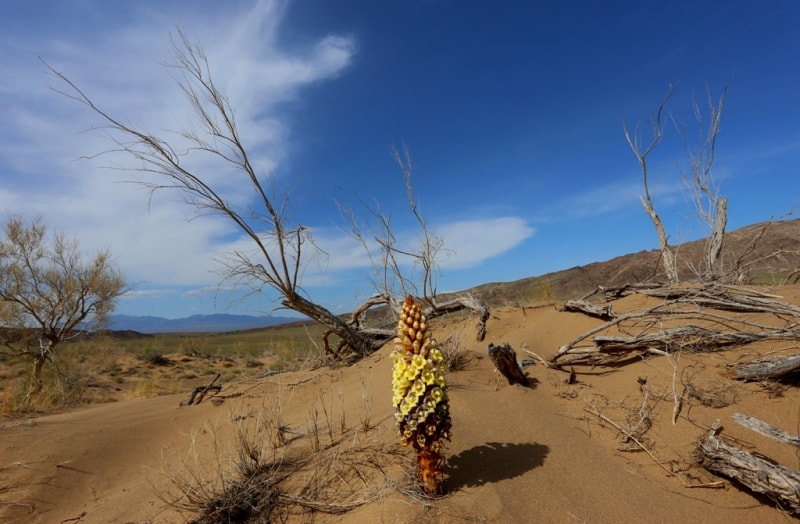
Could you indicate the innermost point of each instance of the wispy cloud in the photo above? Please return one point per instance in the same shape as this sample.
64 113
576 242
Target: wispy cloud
609 198
148 293
471 242
42 138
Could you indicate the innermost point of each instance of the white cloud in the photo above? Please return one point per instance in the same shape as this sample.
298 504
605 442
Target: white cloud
148 294
467 243
42 133
471 242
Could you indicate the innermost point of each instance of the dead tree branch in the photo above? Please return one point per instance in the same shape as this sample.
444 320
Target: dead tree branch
753 471
768 430
702 318
770 368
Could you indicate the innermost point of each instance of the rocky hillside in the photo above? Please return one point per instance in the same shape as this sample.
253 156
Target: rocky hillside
765 253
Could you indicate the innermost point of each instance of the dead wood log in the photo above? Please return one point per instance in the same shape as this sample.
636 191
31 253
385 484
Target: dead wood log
768 430
694 338
201 391
593 310
772 368
753 471
613 293
505 360
458 304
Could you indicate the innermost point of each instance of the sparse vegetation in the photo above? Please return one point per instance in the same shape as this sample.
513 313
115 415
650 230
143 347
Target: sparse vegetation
105 368
273 472
49 292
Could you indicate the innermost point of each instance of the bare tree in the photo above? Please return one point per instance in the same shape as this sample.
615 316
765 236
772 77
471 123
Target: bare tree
430 246
391 282
281 247
642 152
712 207
48 292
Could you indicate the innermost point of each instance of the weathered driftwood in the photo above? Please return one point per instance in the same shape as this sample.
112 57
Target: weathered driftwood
380 335
612 293
766 429
505 360
593 310
701 313
693 338
753 471
773 368
459 303
200 392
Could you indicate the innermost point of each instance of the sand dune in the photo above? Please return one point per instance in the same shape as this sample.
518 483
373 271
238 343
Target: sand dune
537 454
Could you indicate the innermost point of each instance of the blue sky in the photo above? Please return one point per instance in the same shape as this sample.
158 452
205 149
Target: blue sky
513 113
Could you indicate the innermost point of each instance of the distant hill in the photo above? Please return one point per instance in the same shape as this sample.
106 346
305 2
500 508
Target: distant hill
215 323
764 253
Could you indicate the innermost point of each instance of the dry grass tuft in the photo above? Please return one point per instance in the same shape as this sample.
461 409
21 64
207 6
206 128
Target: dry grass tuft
456 356
272 471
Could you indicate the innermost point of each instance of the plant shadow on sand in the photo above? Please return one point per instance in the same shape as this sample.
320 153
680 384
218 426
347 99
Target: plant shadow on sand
493 462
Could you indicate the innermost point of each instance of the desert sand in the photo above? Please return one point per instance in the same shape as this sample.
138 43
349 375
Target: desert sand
535 454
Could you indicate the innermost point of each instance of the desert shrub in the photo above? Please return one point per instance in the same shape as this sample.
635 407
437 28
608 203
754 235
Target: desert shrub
60 390
143 389
267 477
456 356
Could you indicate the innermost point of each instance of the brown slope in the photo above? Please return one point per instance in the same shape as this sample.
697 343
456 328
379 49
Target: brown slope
517 455
768 253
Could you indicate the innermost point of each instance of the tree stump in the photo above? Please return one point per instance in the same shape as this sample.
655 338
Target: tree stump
505 360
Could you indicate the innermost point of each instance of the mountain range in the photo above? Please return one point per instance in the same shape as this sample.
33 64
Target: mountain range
764 253
214 323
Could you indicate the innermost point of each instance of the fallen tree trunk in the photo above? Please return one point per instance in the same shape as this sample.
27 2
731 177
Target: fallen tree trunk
379 336
593 310
768 430
753 471
772 368
458 304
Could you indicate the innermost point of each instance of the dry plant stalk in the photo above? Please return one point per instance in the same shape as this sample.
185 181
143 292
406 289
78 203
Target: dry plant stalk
420 398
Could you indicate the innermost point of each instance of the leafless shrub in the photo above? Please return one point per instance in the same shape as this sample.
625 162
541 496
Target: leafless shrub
563 387
773 388
456 356
632 421
713 394
260 481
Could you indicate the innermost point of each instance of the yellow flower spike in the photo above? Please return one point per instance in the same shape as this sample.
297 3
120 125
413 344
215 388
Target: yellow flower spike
437 394
419 388
419 395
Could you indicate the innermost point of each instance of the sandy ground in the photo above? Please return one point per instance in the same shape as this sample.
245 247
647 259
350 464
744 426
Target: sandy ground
537 454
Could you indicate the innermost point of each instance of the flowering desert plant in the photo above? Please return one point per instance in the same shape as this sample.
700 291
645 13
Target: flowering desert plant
420 398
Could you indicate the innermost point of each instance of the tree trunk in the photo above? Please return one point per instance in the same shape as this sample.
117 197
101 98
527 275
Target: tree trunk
36 377
751 470
362 343
772 368
714 247
668 257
